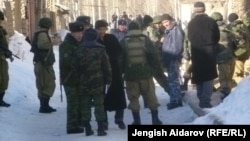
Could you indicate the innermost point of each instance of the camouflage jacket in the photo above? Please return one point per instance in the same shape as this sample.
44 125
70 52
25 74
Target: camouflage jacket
224 50
92 64
240 39
66 53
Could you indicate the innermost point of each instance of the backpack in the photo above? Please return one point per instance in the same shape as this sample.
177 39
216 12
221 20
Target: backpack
41 55
136 49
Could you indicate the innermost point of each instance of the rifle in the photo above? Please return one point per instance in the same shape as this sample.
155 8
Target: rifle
8 53
63 82
61 93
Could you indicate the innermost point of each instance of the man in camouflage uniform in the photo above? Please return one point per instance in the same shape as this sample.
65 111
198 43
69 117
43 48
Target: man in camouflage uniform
4 54
152 30
240 35
138 60
68 78
225 58
92 64
44 59
246 21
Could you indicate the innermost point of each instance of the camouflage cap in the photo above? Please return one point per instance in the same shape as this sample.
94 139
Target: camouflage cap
157 19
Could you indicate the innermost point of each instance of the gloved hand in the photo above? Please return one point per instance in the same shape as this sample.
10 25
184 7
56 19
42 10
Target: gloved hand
8 54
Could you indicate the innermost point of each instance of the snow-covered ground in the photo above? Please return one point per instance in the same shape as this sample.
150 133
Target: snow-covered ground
23 122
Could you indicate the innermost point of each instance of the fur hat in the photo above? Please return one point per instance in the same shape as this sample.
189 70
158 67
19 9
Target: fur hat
199 7
122 22
90 34
85 20
100 23
45 22
76 27
1 16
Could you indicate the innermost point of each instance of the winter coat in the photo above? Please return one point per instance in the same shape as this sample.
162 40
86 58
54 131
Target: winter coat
115 97
172 47
203 34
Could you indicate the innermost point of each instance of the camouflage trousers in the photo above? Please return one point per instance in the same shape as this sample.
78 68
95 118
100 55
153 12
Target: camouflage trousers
45 80
225 73
238 70
173 70
73 107
146 87
4 75
86 97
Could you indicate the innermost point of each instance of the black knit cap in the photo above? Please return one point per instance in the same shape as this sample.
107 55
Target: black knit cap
199 7
199 4
147 20
232 17
1 16
76 27
90 34
101 23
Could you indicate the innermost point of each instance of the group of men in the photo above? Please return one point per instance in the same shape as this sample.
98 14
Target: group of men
97 67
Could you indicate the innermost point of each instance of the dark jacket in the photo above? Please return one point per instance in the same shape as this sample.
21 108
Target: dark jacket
172 47
203 34
115 98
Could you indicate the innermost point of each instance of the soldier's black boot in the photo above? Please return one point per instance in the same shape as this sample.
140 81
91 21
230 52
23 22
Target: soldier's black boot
75 131
88 129
49 107
3 103
44 105
137 118
155 118
119 119
100 130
